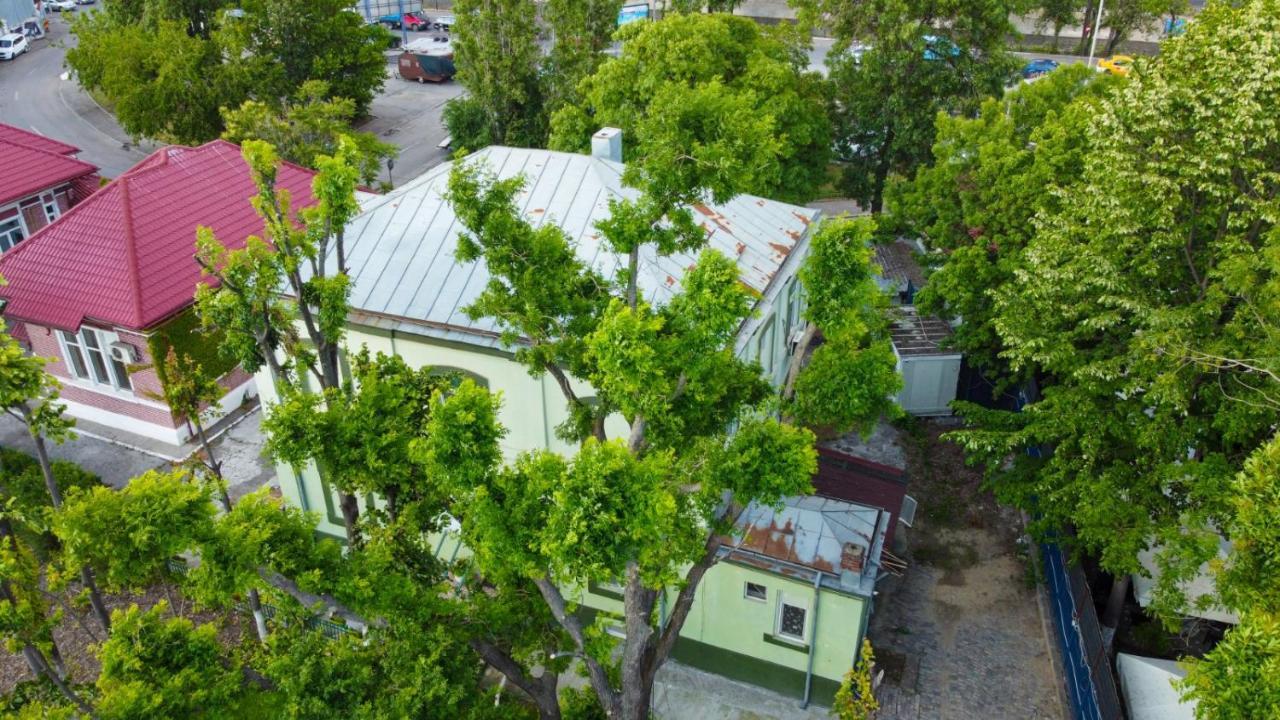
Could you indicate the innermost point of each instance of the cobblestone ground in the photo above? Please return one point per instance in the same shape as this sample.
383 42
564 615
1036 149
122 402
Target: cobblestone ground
969 642
960 635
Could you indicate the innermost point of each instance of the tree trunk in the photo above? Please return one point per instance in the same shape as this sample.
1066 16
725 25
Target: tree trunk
882 172
55 496
350 518
1115 601
224 499
1113 41
542 690
1089 12
36 659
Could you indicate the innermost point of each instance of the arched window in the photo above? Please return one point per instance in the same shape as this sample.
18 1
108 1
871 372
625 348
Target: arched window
460 374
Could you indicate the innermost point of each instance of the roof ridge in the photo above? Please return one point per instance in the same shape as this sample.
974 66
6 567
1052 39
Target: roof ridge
44 138
131 250
60 156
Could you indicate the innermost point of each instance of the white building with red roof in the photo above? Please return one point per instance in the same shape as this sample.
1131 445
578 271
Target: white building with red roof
46 181
108 287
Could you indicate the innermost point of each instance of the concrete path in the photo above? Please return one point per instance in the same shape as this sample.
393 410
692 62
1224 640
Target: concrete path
683 693
239 448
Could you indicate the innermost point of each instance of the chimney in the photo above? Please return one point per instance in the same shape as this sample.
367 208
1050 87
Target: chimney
607 144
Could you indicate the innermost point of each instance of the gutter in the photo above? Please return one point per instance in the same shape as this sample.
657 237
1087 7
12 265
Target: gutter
813 642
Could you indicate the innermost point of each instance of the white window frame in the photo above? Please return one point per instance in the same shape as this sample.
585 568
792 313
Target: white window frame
777 622
50 203
7 242
746 592
117 379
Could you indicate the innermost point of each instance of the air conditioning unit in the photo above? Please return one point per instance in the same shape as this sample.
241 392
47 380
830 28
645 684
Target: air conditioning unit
123 352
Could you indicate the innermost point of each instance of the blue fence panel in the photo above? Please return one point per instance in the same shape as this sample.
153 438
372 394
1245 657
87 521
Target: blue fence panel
1075 665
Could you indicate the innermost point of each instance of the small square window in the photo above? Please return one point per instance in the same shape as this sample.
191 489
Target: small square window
792 621
756 592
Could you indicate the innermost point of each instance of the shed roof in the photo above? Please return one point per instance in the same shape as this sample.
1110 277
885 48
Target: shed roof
125 256
897 261
38 163
917 335
400 249
841 539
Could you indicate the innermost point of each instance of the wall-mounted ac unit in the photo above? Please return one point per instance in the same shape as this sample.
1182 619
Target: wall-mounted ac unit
123 352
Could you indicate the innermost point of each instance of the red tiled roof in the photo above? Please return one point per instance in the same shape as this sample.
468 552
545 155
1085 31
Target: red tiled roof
125 255
40 163
18 136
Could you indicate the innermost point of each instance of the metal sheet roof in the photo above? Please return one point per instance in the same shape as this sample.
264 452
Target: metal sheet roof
126 254
840 538
916 335
37 163
400 249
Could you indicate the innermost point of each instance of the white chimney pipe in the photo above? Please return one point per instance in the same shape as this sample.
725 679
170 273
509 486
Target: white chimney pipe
607 144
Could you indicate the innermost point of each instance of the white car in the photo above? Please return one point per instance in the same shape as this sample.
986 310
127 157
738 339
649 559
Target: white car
12 45
60 5
443 22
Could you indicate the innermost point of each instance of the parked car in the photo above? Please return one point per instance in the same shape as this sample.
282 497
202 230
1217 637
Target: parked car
84 2
416 22
938 48
60 5
443 22
392 21
13 45
1038 67
1116 64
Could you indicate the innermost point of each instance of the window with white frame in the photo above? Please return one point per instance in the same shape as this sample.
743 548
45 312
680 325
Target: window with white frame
754 591
51 210
793 620
11 233
89 357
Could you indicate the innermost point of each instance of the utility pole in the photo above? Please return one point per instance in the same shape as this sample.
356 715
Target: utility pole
1097 25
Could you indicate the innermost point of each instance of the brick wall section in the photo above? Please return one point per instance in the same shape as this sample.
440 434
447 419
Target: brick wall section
84 186
44 342
146 383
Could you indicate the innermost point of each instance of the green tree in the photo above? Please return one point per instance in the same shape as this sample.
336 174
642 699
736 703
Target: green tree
851 379
919 59
166 69
856 698
975 206
1058 14
160 81
1240 677
158 667
1134 292
307 127
581 31
31 394
288 42
259 326
496 50
709 89
642 509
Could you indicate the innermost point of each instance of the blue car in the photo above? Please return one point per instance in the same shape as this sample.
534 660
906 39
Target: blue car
1038 67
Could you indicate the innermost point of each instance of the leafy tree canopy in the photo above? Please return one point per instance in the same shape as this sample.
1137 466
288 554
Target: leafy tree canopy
708 89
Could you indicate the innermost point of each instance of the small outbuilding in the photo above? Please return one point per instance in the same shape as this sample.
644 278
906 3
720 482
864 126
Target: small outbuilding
929 369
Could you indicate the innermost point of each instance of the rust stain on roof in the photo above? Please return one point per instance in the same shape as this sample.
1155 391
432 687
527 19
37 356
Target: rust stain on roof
803 218
741 247
536 211
793 234
670 281
783 250
716 217
760 202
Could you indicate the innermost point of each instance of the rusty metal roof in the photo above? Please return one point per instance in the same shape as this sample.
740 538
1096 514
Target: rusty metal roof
916 335
897 261
841 539
400 249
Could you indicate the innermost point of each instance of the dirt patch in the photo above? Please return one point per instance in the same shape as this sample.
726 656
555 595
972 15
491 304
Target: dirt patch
79 632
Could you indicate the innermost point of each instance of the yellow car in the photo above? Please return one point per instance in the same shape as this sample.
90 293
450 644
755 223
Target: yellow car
1116 64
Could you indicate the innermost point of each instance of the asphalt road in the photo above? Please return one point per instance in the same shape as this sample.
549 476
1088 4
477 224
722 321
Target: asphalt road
37 95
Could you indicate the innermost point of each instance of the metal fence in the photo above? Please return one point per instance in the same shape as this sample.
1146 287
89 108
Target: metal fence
1085 662
327 627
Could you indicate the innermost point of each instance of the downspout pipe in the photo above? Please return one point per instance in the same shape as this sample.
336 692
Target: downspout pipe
813 639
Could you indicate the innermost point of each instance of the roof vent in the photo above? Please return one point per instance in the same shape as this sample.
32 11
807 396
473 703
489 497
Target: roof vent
606 144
